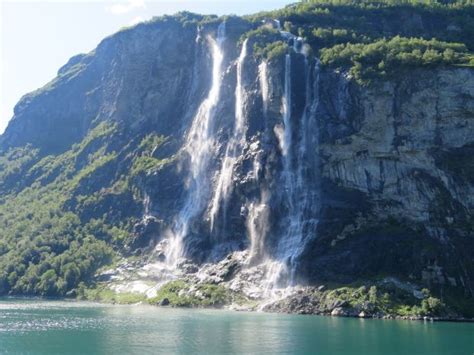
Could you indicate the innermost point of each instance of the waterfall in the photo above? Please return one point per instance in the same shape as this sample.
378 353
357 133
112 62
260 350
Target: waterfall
292 193
263 80
257 227
286 141
257 222
235 144
278 24
199 146
146 206
301 187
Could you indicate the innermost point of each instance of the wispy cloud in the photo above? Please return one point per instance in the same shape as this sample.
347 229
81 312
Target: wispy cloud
125 7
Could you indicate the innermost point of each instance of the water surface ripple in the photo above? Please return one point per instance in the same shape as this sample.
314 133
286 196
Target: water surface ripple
61 327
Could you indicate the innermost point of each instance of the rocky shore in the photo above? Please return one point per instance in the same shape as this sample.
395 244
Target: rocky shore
234 284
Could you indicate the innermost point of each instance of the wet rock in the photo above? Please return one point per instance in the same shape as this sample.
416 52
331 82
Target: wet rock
145 232
106 275
164 302
72 293
338 304
189 268
223 271
339 312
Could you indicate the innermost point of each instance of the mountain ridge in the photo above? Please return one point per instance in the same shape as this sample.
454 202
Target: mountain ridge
336 178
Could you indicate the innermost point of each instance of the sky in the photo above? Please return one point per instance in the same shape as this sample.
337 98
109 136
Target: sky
38 37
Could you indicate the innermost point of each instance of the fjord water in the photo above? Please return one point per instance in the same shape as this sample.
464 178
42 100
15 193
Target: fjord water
60 327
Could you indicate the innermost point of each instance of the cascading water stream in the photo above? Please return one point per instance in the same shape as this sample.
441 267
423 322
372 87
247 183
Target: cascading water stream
199 146
257 227
263 80
280 270
257 222
300 195
235 144
268 270
286 141
146 206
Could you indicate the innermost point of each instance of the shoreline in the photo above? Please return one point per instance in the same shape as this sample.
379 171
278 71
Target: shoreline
230 308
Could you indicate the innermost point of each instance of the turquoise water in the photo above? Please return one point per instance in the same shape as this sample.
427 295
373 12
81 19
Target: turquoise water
53 327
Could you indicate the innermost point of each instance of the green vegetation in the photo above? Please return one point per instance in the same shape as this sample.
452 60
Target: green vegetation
272 50
449 21
58 223
143 164
385 299
106 295
45 249
267 43
144 161
327 37
176 293
379 299
181 294
387 57
374 39
13 162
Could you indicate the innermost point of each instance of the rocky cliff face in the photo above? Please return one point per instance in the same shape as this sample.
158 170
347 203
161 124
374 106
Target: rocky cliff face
126 79
394 190
303 173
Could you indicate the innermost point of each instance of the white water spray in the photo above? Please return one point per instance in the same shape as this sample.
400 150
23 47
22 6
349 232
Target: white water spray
263 80
301 192
146 206
257 227
287 133
258 216
235 145
199 146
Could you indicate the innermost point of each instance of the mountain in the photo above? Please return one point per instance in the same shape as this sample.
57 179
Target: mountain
314 159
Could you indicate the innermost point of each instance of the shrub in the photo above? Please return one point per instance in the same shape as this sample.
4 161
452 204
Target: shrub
432 306
366 61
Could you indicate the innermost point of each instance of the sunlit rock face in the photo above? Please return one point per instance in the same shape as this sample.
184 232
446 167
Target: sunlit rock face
389 193
313 176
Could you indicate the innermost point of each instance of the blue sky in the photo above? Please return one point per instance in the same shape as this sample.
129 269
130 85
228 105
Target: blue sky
38 37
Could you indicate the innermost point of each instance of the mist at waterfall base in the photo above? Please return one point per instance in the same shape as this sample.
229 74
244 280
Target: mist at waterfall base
52 327
214 156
